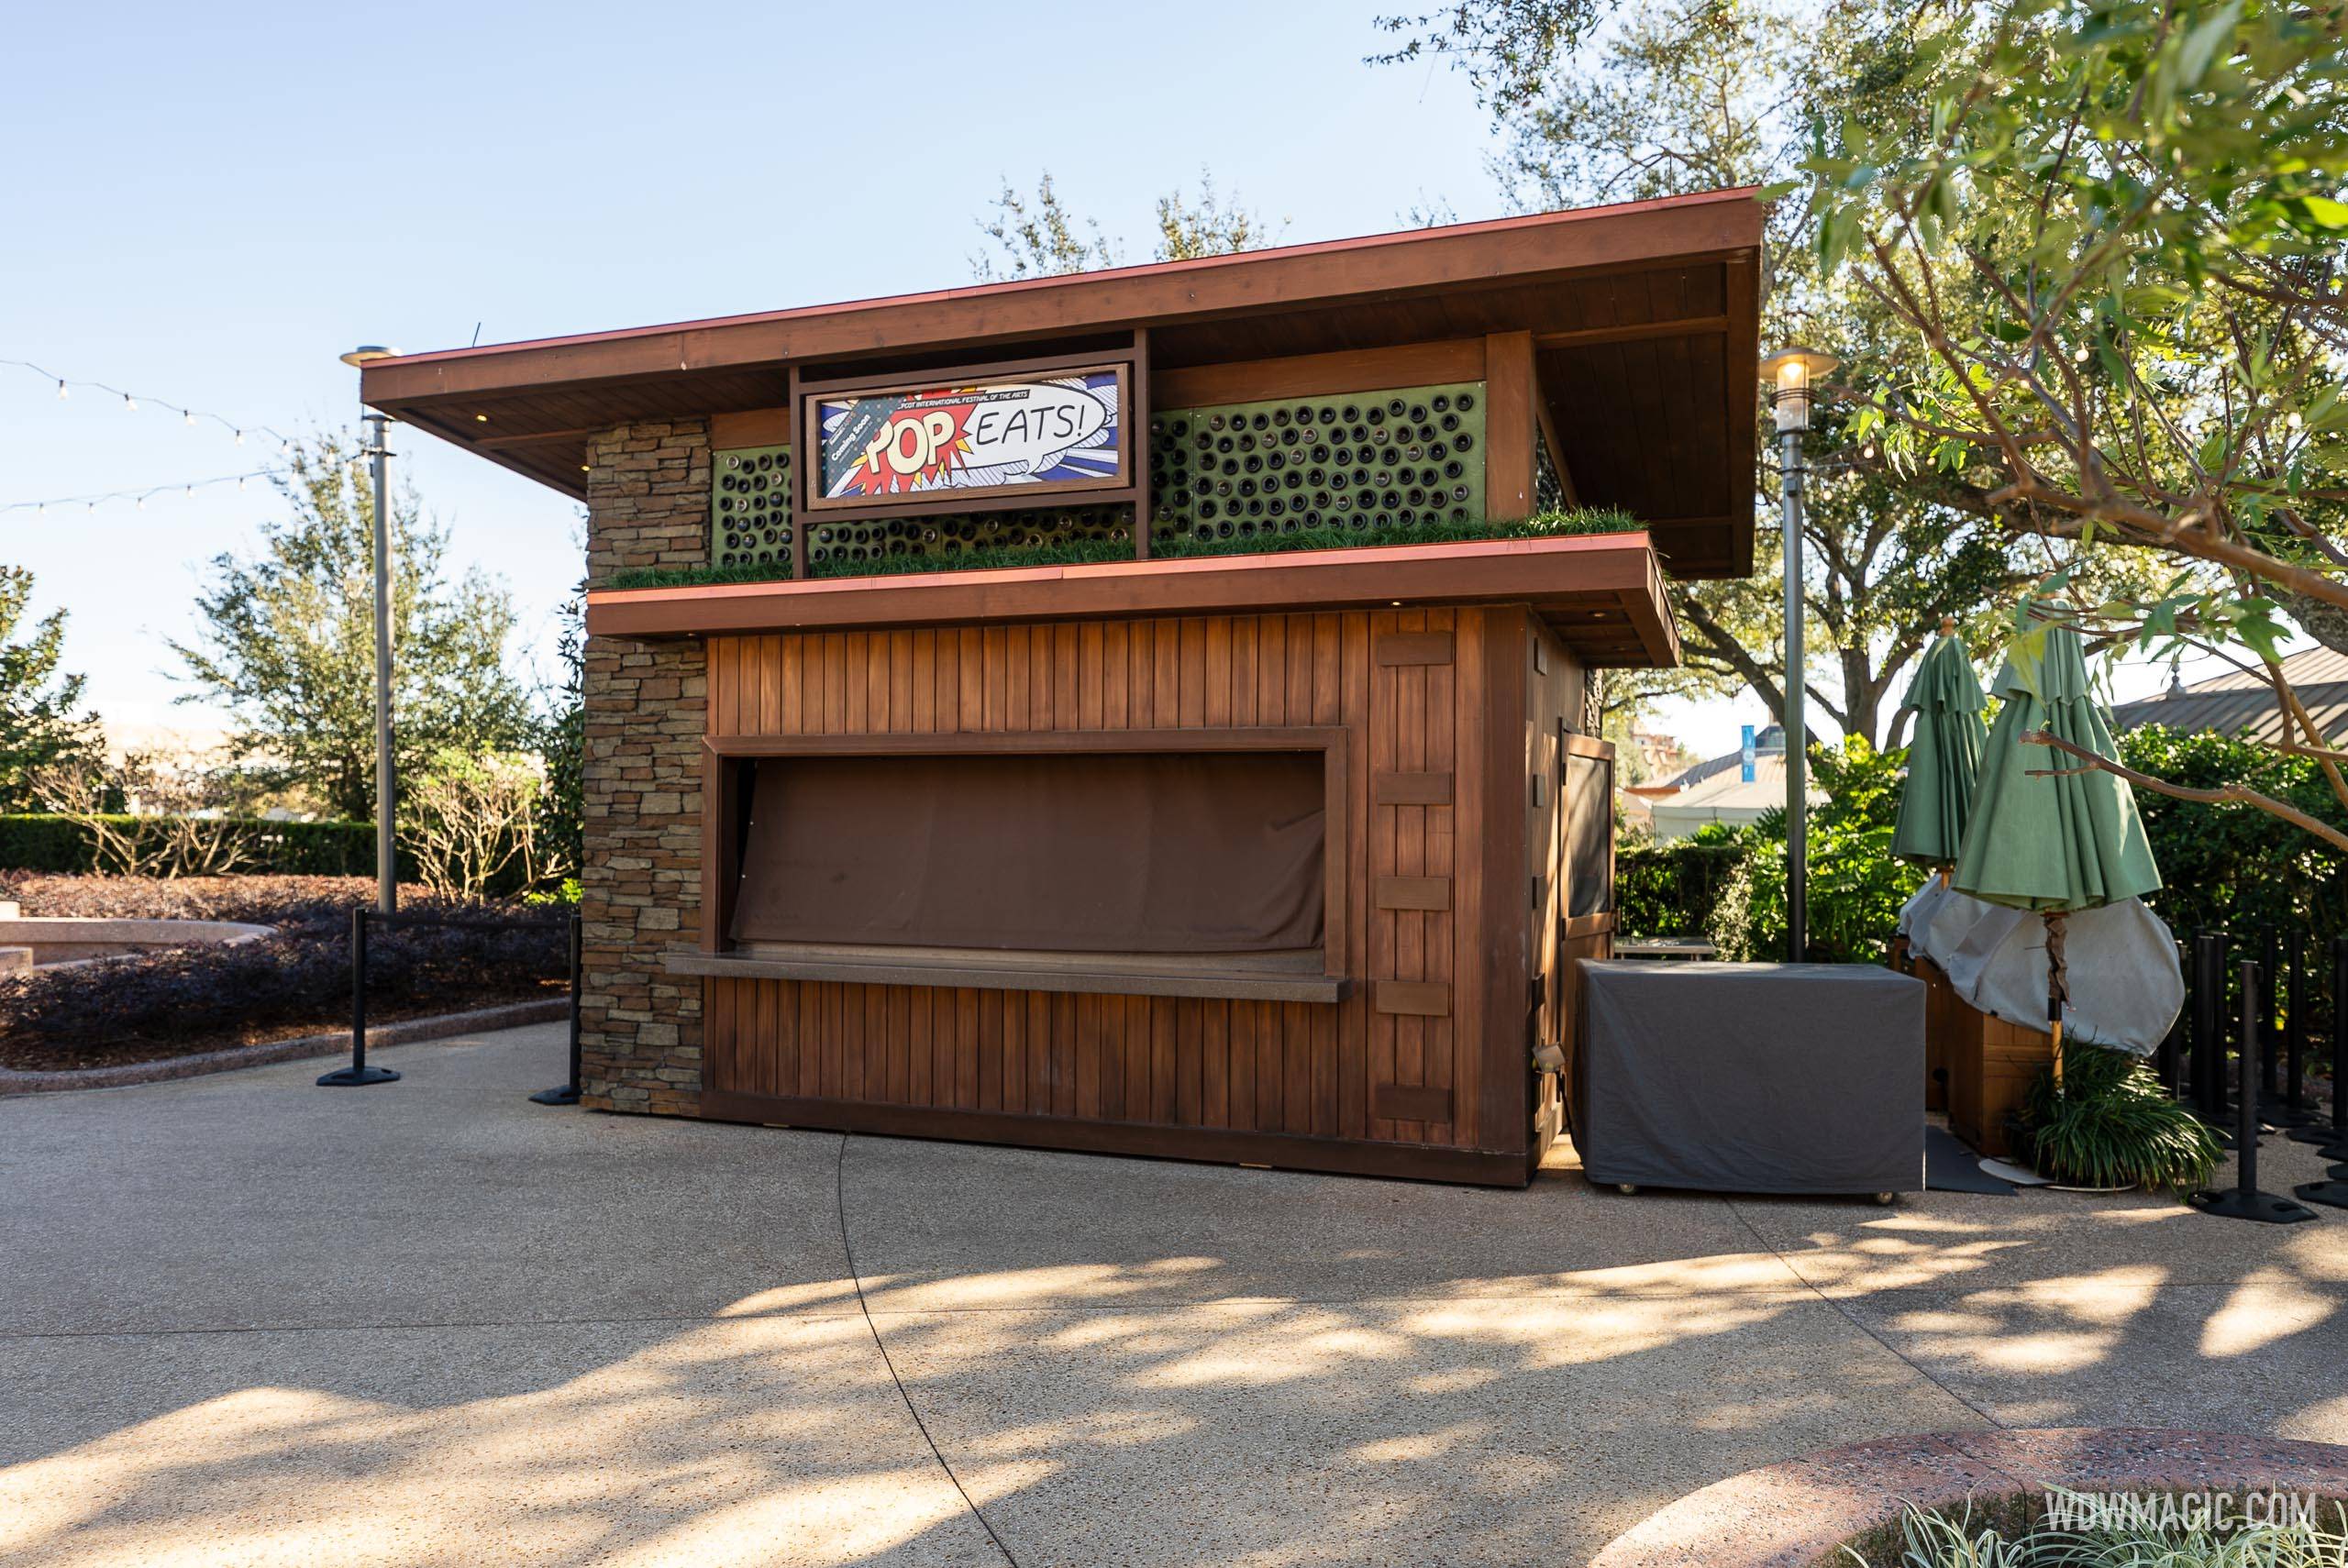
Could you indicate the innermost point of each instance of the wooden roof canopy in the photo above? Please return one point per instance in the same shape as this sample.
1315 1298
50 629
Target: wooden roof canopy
1644 320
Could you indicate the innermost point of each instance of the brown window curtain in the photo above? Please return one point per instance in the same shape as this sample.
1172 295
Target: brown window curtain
1201 852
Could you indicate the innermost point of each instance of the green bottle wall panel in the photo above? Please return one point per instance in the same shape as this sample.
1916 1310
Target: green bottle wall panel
1361 460
869 544
749 521
750 525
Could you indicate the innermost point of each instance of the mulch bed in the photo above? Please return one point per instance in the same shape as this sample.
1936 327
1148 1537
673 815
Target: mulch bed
182 1002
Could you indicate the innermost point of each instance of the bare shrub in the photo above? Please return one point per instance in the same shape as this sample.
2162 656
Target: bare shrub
474 824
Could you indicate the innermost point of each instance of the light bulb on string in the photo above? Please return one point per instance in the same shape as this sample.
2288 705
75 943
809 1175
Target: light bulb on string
63 391
129 402
241 438
142 503
187 417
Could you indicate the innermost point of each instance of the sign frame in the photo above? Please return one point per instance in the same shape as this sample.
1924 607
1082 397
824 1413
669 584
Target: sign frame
806 478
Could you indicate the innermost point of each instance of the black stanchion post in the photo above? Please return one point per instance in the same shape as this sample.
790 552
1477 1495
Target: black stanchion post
2171 1063
2291 1110
2337 1148
2244 1201
568 1093
2306 1126
2333 1190
2210 1027
359 1074
2270 995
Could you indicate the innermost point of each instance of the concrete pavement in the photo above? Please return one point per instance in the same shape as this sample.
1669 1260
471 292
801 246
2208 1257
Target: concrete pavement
245 1321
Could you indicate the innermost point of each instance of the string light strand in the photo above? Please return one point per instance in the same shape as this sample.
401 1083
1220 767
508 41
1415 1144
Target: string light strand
67 384
140 497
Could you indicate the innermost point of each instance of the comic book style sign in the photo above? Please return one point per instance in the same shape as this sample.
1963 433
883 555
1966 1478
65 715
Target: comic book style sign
998 436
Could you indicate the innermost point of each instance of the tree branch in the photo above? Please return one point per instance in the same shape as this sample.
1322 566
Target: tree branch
2225 795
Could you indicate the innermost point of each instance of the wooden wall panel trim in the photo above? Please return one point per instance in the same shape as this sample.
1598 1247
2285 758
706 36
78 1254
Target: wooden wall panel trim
1438 857
1320 375
1565 577
1411 893
1413 647
1510 434
1416 999
1504 954
754 428
1410 789
1412 1103
1402 743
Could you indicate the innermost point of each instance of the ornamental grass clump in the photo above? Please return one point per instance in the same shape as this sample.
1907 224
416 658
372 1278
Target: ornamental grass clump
1927 1540
2110 1124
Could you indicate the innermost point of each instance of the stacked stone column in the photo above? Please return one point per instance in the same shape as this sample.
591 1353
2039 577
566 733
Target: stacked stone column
648 505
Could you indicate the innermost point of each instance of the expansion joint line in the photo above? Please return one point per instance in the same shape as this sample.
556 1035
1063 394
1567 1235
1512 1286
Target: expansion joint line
1918 1367
856 1278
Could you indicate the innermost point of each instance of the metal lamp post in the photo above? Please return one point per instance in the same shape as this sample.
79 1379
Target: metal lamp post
377 451
1791 374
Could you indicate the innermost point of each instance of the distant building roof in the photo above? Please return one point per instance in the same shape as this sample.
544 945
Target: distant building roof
2240 702
1768 742
1726 797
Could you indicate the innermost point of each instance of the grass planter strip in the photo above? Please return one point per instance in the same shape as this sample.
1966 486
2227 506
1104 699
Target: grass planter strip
1082 552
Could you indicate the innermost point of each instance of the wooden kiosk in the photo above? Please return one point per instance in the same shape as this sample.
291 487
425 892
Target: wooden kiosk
969 757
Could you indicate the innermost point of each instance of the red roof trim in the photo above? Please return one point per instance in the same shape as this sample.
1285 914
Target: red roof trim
1022 285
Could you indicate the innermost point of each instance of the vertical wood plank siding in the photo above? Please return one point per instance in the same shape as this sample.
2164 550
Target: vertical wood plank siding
1305 1069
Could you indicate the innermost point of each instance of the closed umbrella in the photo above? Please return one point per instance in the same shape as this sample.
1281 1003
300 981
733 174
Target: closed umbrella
1944 759
2047 833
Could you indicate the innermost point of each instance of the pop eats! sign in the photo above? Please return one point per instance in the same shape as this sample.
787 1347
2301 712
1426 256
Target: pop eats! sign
1057 433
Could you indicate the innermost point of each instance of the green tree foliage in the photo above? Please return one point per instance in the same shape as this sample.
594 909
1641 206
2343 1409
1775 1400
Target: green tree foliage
1509 47
562 746
287 642
1038 236
1855 885
1693 96
2228 868
2109 235
42 722
1214 225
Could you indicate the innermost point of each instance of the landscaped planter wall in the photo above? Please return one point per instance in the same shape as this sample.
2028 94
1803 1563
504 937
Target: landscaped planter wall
60 940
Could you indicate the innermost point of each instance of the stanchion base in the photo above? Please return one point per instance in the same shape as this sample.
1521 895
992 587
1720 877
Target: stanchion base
2264 1207
566 1095
2314 1132
2333 1193
357 1078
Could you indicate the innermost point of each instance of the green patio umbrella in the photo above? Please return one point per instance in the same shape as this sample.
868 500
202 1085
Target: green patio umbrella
2048 831
1944 759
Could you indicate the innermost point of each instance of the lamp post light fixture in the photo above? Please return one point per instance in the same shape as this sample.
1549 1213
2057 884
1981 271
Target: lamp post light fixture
1792 375
377 450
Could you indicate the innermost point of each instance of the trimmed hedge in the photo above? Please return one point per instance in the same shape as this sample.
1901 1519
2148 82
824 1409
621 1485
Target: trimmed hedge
165 1004
1668 890
41 842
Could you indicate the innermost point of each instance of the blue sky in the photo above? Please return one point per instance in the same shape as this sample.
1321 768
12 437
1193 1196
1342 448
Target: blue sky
207 204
